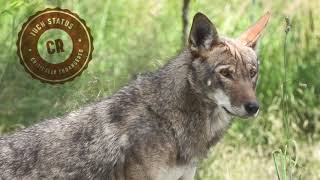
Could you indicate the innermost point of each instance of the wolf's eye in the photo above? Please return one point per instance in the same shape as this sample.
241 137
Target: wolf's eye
253 73
226 73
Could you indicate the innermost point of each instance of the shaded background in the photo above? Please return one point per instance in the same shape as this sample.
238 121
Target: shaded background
136 36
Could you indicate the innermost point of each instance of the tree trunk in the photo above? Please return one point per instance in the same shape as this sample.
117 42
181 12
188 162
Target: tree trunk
185 22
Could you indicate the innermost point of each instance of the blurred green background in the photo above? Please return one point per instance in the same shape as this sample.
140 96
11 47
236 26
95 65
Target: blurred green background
135 36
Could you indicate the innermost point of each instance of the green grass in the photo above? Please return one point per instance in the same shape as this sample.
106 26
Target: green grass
136 36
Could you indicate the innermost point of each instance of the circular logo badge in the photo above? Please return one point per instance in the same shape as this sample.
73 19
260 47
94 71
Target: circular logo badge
55 45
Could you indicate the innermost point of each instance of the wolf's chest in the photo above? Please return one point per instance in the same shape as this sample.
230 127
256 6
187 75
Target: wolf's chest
174 173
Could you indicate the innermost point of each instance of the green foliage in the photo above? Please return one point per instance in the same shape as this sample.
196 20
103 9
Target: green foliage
136 36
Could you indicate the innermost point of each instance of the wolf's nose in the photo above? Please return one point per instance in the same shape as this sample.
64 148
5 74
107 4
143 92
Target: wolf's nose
251 107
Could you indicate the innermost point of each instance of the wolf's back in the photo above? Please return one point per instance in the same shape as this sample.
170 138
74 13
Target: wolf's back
81 145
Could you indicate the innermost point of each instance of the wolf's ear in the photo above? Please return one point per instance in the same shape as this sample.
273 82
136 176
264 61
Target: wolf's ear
251 36
203 35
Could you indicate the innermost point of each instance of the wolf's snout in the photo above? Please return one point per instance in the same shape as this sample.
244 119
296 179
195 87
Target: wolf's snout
252 107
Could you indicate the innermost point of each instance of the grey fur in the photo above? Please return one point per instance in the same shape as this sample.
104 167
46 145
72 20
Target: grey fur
161 120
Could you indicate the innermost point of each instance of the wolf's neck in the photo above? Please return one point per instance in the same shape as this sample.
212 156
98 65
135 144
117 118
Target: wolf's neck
174 87
197 124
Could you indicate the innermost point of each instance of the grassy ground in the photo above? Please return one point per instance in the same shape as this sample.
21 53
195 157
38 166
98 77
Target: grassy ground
137 36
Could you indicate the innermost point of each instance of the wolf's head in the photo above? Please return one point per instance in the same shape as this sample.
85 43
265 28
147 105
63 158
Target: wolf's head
225 70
